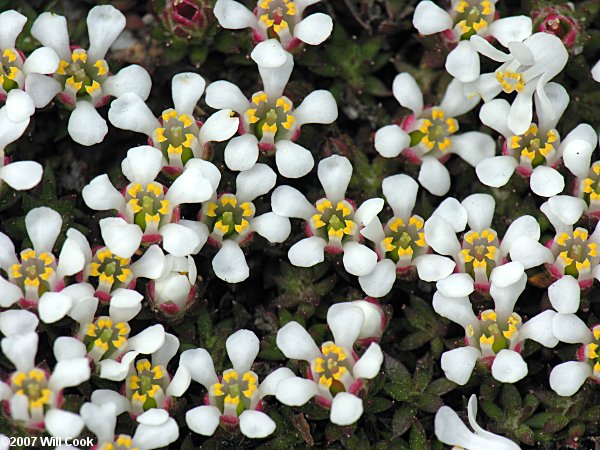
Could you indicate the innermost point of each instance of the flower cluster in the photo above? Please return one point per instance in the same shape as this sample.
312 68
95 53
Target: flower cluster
216 192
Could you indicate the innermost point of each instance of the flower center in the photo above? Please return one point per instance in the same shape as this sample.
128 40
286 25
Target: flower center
35 275
591 185
233 395
510 81
479 254
576 253
177 137
496 336
82 77
123 442
103 337
434 132
147 386
148 206
591 353
276 15
227 218
531 149
34 385
402 240
267 119
9 72
111 271
336 224
470 16
332 370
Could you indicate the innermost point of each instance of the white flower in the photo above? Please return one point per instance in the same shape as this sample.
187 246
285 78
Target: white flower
155 428
427 137
269 121
20 175
587 173
233 399
333 225
35 277
108 271
537 153
452 431
495 336
572 251
174 290
567 378
148 211
34 395
481 257
529 66
83 79
227 221
375 321
401 245
18 73
177 133
106 338
335 374
467 18
596 71
283 18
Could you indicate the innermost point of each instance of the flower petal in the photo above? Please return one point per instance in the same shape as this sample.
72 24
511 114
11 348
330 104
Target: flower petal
430 18
86 126
568 377
440 235
256 424
129 112
105 23
408 93
401 194
314 29
17 321
295 342
41 89
272 227
463 62
433 267
571 329
43 60
234 16
334 173
242 348
564 295
19 106
307 252
456 285
317 107
69 373
22 175
434 176
133 78
122 238
509 367
11 25
255 182
391 140
225 95
274 78
203 420
473 147
187 88
142 164
507 274
269 384
63 424
358 259
369 364
219 127
230 263
241 153
511 29
539 329
43 226
293 160
148 340
51 30
480 210
346 409
345 322
53 306
546 181
296 391
458 364
381 279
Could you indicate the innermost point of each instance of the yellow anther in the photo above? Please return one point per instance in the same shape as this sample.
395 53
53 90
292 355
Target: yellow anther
319 365
174 150
592 249
427 142
564 256
259 97
135 205
18 379
587 185
491 252
251 115
466 254
91 330
289 122
597 367
528 154
189 140
471 236
185 120
119 342
323 204
344 207
591 350
317 221
230 375
510 332
134 382
154 188
461 6
142 365
168 115
47 272
488 234
596 168
416 221
268 22
101 66
46 258
489 315
470 330
62 65
546 149
92 88
437 114
217 389
137 397
124 441
580 233
250 391
425 126
79 55
32 283
562 238
326 381
134 189
332 233
160 135
26 255
551 136
266 128
229 199
246 209
532 130
387 244
242 226
487 7
105 323
483 340
396 223
164 207
15 271
99 343
479 264
479 25
232 400
280 26
10 55
283 102
291 9
221 227
210 209
341 371
515 141
152 218
596 333
452 125
582 265
76 85
464 28
408 251
445 144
